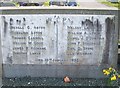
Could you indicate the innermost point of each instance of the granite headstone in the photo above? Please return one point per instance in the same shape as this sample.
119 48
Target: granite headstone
57 39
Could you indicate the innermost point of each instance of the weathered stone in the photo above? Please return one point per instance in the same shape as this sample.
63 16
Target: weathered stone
72 39
0 57
56 45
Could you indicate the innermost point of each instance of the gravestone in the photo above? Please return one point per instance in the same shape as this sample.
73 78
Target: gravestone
61 43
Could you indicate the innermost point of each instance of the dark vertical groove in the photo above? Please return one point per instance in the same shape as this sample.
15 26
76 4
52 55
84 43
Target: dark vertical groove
108 27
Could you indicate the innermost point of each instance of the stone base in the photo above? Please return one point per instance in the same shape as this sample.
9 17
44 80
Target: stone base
74 71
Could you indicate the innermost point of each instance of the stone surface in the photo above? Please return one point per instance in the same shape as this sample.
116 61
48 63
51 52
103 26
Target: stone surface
57 39
58 69
0 56
33 70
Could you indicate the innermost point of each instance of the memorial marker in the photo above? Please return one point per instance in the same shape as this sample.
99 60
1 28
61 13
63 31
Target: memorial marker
55 45
55 39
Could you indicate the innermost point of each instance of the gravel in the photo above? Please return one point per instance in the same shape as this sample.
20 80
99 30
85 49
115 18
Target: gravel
28 81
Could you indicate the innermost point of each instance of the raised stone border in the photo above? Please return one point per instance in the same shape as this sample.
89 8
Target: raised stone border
0 58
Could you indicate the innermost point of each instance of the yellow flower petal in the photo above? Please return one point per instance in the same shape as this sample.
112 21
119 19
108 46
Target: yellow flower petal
113 78
104 70
107 72
110 68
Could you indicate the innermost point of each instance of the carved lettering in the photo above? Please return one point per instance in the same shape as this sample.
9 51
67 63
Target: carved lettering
53 38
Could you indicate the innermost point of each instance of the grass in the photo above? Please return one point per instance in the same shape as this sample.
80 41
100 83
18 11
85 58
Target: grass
117 4
16 4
